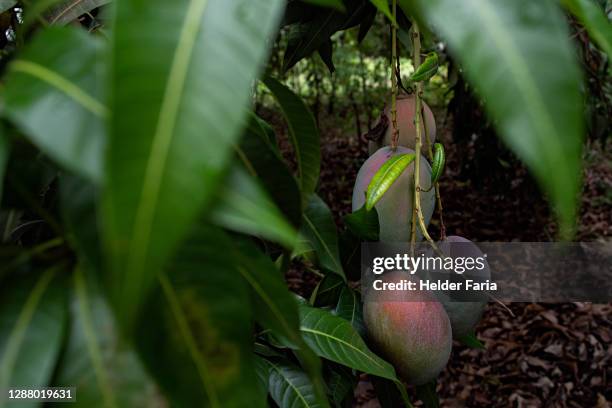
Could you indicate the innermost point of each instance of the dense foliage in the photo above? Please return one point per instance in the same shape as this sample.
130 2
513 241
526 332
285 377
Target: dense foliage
148 216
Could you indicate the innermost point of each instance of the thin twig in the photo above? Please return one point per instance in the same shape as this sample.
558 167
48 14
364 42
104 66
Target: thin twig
395 135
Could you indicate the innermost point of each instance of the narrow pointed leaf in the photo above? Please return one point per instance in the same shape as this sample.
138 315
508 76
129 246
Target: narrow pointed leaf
334 338
592 17
319 229
178 114
198 345
261 156
511 51
289 386
303 134
276 308
244 206
438 163
105 370
385 177
363 223
54 95
349 307
426 70
383 6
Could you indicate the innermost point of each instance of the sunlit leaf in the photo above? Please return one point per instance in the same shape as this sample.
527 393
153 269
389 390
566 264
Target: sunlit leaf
385 176
54 95
177 115
511 52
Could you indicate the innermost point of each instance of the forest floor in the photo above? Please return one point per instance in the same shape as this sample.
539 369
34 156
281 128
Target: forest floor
541 355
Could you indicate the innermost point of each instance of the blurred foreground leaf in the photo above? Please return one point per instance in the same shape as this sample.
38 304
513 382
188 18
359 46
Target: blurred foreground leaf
177 114
511 52
54 95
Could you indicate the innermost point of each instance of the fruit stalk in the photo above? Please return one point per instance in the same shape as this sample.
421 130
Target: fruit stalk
395 137
417 214
437 184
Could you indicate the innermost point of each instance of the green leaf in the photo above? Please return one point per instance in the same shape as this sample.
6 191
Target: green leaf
349 307
6 4
307 37
32 323
327 291
263 159
79 207
319 229
198 346
437 165
275 307
178 114
71 10
334 338
366 24
54 93
385 177
472 341
289 386
325 52
341 382
303 135
336 4
4 156
427 69
511 52
427 393
105 370
592 17
244 206
383 6
318 26
363 223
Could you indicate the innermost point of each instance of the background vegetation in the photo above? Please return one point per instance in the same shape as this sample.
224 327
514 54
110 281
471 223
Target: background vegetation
172 169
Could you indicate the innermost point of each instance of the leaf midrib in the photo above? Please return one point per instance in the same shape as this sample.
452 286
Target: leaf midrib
523 80
295 388
62 84
327 249
162 139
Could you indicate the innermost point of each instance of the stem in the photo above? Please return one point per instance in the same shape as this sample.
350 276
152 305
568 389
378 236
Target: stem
436 185
417 213
395 135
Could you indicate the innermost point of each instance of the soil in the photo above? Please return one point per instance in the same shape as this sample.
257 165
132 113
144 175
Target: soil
541 355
